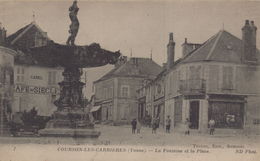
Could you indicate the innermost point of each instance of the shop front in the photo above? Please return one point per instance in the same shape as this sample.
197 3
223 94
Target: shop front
141 108
96 112
227 111
106 111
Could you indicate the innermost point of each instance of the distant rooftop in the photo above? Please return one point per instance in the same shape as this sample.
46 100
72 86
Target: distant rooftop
134 67
222 47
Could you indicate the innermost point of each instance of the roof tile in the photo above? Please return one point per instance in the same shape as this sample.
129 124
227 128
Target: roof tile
145 68
222 47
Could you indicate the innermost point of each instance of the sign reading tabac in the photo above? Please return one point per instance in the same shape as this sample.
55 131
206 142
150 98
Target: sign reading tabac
35 89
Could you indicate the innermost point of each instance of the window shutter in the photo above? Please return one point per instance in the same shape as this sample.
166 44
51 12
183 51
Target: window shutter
49 78
227 78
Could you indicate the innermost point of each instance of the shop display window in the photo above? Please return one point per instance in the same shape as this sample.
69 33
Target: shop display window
226 114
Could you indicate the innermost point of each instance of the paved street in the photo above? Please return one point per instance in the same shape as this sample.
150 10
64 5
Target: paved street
161 138
121 135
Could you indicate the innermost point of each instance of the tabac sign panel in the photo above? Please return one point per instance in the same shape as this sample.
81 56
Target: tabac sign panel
35 89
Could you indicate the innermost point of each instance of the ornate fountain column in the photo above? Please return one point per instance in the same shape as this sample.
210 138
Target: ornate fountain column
70 112
71 90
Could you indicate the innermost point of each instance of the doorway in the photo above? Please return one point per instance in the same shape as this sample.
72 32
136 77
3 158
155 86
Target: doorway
141 113
106 113
194 114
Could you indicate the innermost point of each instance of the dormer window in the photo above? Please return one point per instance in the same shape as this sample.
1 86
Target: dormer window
229 46
39 40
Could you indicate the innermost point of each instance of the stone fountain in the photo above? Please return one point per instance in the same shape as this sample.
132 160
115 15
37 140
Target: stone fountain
71 119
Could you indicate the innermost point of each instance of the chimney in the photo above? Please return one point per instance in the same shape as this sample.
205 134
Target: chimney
254 29
249 42
122 60
134 61
170 51
164 65
2 35
188 47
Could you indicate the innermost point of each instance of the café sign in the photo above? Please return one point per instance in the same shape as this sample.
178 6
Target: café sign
36 77
35 89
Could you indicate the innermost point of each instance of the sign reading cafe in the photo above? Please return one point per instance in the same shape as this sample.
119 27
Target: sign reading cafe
35 89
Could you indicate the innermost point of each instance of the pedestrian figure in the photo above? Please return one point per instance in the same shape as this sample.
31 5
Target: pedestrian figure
133 126
158 121
149 121
211 126
154 126
187 127
138 127
168 124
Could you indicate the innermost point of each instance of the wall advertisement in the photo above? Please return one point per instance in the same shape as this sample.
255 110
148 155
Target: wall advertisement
35 89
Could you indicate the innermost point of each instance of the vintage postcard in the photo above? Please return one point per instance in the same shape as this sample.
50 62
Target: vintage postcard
131 80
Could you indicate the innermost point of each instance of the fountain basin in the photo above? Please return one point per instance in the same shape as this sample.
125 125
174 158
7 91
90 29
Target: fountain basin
86 56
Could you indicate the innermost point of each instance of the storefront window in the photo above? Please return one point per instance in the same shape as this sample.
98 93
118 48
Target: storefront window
226 114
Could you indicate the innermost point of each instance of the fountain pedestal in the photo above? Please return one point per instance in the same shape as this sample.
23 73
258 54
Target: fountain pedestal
70 119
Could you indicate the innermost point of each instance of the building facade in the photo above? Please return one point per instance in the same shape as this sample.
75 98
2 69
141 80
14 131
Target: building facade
35 85
145 102
116 93
151 99
216 80
158 85
6 86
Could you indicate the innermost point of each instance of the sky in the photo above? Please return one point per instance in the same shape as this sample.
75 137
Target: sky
142 27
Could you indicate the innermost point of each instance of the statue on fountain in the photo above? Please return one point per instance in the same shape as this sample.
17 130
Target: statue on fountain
70 118
74 27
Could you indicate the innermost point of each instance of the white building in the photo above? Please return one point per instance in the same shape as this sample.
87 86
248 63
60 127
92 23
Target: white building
35 85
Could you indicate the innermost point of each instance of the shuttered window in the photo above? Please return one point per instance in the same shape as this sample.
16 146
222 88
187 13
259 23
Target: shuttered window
213 77
20 75
228 78
52 78
125 91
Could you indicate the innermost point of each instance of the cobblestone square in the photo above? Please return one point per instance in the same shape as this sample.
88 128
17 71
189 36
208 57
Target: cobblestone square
122 135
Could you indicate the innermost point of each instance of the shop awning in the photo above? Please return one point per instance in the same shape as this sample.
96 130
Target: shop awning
227 100
95 108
